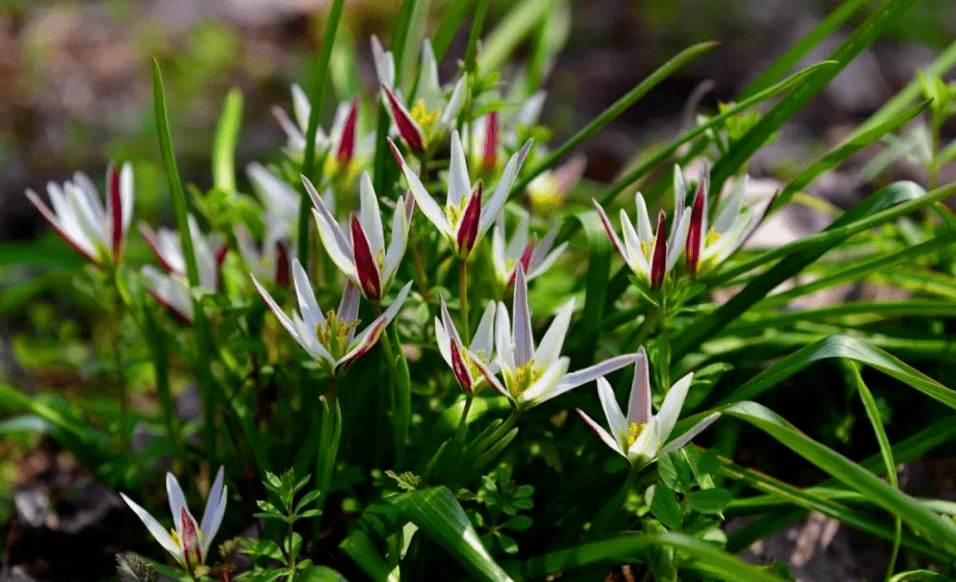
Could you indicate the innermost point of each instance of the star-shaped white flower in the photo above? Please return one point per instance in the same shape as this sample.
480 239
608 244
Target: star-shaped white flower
535 375
464 219
330 337
641 437
455 354
96 231
363 256
535 257
187 542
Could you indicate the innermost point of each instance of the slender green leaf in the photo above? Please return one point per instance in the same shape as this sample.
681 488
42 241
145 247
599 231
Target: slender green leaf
735 109
785 62
224 143
757 136
631 548
878 310
617 108
440 517
596 283
922 520
842 347
360 548
316 98
512 29
452 16
921 576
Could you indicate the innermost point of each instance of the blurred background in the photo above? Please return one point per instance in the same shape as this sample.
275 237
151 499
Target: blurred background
75 87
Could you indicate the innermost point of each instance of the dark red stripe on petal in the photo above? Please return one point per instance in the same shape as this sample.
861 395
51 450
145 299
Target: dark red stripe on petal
407 127
659 259
490 159
220 257
694 233
347 144
116 205
282 266
460 368
153 243
468 228
189 537
365 263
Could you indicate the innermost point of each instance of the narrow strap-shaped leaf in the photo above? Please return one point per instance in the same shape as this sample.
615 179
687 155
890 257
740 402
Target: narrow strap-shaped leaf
617 108
921 576
439 516
452 16
630 547
735 109
224 143
882 205
921 519
316 98
861 37
842 347
511 30
821 31
360 548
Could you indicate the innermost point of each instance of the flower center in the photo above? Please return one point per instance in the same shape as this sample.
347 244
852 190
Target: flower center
423 117
712 237
334 334
634 430
454 213
524 376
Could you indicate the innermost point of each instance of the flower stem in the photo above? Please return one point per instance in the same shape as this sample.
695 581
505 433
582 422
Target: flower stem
612 507
464 415
463 296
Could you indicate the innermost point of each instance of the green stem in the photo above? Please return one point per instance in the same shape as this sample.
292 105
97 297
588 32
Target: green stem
464 415
463 296
612 507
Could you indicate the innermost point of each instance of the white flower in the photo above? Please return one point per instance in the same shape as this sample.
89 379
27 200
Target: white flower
455 354
96 231
342 146
535 257
187 543
463 220
547 190
330 337
642 437
535 375
435 109
172 288
649 253
708 245
363 257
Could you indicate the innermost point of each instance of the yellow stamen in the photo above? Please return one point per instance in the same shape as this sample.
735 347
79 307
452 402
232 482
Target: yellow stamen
334 334
524 376
423 117
712 237
454 213
634 430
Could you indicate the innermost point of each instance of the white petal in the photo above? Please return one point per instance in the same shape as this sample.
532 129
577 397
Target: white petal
521 332
301 107
685 438
483 338
158 531
673 402
612 411
680 194
177 501
459 184
541 267
370 216
276 195
214 512
335 243
644 228
430 85
449 324
498 257
639 401
647 445
490 377
432 211
676 247
497 200
504 346
519 239
284 319
575 379
350 303
309 308
444 341
618 245
547 386
553 339
126 195
398 242
603 434
384 64
731 209
635 254
531 110
455 103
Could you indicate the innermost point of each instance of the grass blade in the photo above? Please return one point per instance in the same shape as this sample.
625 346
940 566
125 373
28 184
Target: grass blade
503 39
846 471
757 136
224 143
617 108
